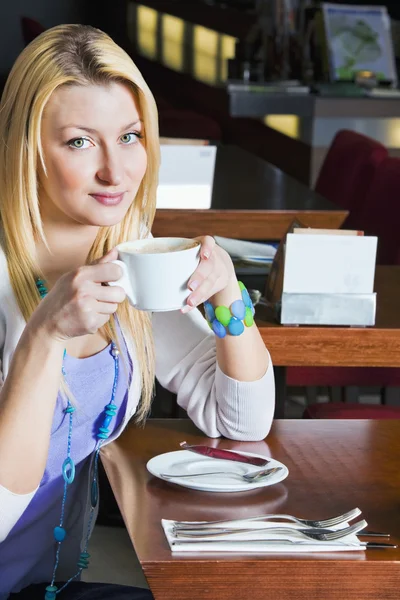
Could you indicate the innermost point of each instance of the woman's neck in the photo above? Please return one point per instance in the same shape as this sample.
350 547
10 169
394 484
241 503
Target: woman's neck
68 249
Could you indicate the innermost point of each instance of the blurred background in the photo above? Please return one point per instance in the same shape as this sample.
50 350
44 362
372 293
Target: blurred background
192 54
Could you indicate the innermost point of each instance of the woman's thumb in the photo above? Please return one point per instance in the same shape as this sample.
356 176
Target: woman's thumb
111 255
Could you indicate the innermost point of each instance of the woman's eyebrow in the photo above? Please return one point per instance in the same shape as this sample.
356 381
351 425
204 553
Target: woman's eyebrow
90 130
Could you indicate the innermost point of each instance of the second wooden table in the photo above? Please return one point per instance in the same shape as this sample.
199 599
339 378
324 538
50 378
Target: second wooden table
251 199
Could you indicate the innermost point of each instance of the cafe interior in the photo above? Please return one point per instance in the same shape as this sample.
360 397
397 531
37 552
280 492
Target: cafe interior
279 130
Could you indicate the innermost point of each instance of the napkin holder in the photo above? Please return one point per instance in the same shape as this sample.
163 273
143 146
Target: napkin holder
356 310
323 279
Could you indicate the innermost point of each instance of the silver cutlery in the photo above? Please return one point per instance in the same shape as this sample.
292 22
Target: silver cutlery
329 522
372 545
311 534
214 530
367 533
248 477
209 532
277 542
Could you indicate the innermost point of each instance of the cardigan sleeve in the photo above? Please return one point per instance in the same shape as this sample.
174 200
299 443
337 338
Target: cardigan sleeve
12 506
186 364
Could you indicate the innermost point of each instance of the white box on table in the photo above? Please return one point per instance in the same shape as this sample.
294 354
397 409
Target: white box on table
328 280
186 176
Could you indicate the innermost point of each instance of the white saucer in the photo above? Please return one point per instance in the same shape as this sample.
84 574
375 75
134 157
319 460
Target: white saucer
182 462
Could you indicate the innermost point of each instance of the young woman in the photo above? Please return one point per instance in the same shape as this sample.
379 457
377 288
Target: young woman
78 172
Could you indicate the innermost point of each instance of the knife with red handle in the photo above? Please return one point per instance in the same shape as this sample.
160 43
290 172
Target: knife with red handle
225 454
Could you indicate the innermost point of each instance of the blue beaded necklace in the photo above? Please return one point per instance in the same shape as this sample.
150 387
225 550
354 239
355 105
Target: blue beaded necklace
68 471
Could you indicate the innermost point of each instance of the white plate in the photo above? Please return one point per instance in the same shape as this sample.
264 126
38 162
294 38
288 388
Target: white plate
182 462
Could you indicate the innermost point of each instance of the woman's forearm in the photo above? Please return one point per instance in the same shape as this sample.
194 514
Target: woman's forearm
243 357
27 402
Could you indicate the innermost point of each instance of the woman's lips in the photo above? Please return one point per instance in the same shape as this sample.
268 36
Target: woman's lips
109 199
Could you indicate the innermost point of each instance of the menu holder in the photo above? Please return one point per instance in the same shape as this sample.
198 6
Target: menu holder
323 278
359 44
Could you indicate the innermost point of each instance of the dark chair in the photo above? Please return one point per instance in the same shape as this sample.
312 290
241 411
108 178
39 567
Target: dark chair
345 178
348 170
30 29
351 411
344 382
380 216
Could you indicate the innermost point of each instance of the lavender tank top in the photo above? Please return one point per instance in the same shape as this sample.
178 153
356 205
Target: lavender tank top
27 554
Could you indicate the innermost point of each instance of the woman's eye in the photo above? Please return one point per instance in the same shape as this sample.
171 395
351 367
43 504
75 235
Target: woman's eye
130 138
79 143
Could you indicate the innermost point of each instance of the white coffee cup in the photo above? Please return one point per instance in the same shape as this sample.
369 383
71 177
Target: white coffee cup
156 271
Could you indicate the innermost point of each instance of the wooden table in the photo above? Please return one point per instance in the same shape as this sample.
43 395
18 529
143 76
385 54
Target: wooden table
377 346
318 346
334 466
251 199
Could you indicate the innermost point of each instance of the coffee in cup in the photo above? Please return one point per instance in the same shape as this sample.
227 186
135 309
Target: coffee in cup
157 246
156 271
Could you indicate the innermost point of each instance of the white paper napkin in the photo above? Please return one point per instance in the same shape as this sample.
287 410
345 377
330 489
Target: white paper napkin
349 543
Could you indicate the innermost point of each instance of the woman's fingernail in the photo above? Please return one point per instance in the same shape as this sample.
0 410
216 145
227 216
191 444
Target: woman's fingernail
193 285
185 309
206 254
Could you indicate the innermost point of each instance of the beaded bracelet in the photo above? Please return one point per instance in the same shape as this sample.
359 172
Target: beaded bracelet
223 319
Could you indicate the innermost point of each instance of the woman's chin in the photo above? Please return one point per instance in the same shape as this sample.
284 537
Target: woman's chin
106 222
105 218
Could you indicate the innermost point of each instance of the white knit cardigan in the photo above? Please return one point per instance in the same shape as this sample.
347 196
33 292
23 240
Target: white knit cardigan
185 364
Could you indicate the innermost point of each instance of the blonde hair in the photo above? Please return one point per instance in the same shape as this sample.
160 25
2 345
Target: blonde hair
70 55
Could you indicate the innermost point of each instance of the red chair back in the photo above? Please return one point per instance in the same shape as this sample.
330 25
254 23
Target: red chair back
351 411
348 170
30 29
380 214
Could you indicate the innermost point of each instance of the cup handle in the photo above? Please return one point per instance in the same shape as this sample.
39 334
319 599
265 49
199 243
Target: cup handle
125 281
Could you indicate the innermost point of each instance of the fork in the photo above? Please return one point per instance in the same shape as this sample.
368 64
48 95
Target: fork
249 477
330 522
308 533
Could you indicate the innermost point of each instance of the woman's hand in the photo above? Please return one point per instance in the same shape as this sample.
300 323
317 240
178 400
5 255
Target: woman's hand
214 274
78 303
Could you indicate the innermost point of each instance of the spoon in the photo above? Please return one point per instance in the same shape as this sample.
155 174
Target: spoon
249 477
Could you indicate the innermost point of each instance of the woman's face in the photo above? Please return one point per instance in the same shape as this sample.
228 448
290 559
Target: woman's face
94 155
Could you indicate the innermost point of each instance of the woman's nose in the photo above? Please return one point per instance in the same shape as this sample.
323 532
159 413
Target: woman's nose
110 170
